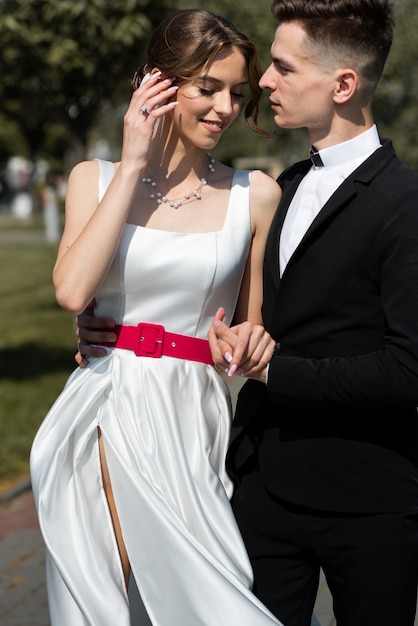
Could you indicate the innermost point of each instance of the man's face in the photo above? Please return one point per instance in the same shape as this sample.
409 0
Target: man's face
301 88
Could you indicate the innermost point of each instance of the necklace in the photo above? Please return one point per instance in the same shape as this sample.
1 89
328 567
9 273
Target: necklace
177 202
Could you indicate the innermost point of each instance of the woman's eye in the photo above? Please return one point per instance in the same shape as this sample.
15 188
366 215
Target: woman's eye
211 92
206 92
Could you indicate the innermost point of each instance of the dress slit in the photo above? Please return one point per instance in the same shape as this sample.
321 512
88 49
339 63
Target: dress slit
107 486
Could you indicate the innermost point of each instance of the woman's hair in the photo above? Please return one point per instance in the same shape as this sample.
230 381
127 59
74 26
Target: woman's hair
360 31
186 41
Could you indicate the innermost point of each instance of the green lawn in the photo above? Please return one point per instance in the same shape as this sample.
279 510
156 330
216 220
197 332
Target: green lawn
37 345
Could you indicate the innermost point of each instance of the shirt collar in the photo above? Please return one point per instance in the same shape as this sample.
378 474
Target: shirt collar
355 148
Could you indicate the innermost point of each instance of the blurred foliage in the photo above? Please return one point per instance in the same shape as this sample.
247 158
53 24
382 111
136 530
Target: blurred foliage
66 66
61 62
396 109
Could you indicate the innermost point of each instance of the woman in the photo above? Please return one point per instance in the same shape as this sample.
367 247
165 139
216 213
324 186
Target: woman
128 466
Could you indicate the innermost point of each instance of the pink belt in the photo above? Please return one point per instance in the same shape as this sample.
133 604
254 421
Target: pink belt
153 341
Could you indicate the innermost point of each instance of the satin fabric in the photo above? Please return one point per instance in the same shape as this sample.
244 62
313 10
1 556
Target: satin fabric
165 425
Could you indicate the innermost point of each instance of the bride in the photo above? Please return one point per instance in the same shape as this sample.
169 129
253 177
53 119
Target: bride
128 466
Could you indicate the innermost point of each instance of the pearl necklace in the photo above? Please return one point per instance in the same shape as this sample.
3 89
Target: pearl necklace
178 202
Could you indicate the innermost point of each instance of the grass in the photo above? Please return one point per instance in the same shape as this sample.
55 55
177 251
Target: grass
37 346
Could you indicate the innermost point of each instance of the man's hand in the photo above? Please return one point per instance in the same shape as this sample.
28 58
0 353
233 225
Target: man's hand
245 349
91 330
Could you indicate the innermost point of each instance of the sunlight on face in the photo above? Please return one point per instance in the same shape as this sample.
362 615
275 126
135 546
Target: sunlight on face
213 99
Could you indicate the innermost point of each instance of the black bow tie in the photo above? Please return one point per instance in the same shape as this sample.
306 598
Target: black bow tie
315 157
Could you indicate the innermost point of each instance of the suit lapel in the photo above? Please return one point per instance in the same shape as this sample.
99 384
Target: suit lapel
290 182
272 246
333 206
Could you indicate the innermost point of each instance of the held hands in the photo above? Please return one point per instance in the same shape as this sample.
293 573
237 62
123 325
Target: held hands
245 349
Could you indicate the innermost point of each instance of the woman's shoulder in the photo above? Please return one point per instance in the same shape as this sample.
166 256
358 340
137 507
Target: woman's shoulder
85 170
265 192
88 174
83 184
259 178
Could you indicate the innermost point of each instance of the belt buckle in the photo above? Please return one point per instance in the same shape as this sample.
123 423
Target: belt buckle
150 340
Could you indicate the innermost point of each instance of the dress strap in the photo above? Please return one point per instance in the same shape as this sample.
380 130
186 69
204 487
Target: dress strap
107 171
238 216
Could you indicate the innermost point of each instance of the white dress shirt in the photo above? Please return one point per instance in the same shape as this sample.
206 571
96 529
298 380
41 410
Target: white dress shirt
318 186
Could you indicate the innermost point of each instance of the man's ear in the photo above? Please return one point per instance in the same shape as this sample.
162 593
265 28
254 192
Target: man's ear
347 85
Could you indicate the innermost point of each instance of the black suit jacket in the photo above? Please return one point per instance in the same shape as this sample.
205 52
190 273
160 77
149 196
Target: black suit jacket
336 426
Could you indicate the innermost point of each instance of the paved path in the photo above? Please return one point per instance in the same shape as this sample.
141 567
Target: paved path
22 577
23 599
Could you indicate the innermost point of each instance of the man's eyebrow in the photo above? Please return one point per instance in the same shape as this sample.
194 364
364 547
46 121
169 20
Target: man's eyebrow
285 62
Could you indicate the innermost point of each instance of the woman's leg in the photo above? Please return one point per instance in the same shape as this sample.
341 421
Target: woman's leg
113 512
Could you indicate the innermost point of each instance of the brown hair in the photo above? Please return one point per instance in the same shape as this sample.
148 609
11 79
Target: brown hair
361 29
189 39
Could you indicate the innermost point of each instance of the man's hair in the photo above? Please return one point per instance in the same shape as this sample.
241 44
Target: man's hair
358 31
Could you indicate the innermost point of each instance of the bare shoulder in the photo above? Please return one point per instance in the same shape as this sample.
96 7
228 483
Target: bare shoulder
84 172
265 194
264 187
83 186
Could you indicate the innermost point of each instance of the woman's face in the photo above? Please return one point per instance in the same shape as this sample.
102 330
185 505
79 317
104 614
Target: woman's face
209 104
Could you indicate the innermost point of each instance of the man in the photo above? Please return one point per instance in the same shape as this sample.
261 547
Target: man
325 441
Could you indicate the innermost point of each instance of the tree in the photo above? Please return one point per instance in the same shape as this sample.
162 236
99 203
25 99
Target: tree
61 62
65 63
396 109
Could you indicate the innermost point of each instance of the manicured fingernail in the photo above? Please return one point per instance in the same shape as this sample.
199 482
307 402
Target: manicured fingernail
232 370
228 357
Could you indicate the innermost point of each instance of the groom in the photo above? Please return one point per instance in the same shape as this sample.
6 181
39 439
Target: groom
325 442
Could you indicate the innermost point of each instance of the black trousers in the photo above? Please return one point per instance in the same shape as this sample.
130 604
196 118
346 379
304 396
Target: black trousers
370 561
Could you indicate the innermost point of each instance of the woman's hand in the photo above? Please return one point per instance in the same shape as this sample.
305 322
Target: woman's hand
245 349
151 101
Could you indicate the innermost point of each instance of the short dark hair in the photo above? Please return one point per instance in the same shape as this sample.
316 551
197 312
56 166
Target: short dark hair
362 28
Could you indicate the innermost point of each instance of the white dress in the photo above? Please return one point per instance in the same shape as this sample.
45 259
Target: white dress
165 424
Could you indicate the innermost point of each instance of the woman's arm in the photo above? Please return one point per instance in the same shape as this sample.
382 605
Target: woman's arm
265 195
247 347
92 231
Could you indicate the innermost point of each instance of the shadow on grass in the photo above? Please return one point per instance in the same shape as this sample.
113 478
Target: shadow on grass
31 360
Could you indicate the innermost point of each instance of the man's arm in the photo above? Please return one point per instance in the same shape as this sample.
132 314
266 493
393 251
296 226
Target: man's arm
382 371
92 330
